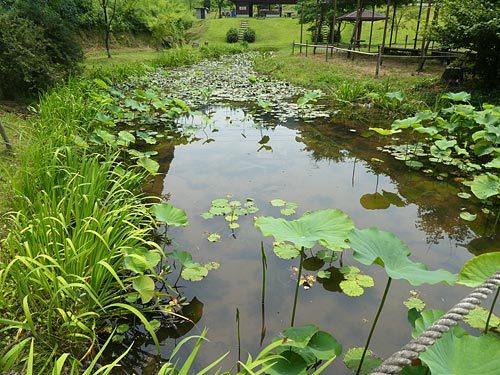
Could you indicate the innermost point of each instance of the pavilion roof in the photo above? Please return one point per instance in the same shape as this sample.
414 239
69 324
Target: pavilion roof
366 15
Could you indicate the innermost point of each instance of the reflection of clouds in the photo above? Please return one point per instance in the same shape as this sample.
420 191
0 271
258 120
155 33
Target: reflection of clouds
200 173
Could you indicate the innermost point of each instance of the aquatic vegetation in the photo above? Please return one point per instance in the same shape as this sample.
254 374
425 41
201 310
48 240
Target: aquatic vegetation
373 246
329 228
231 210
192 271
289 208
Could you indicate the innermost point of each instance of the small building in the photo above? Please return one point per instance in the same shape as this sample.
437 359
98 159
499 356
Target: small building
201 13
260 8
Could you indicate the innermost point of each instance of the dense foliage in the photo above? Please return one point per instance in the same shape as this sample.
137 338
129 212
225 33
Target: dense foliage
37 45
474 25
249 35
232 35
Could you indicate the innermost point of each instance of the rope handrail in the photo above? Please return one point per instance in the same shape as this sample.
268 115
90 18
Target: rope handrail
403 357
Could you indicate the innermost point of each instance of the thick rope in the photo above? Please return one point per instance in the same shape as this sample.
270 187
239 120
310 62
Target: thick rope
395 363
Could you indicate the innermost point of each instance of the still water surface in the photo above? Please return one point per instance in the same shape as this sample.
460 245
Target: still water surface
326 164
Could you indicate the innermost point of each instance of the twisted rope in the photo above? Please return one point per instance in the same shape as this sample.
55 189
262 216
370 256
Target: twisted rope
395 363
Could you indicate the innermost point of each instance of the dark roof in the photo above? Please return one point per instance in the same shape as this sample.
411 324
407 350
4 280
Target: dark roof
263 2
366 15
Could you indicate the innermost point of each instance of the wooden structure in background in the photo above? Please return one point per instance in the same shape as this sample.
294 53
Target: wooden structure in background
245 8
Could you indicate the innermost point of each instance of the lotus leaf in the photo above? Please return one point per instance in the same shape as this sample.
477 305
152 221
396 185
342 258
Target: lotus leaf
278 202
353 357
145 286
170 215
324 346
354 281
414 303
467 216
386 131
463 354
485 186
477 319
214 237
285 250
461 96
328 227
477 270
194 272
385 249
299 337
140 259
148 164
290 363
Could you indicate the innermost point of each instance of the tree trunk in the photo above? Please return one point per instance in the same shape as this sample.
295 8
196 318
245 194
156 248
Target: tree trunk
107 26
425 46
5 138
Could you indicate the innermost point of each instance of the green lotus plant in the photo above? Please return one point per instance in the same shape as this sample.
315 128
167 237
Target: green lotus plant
476 271
373 246
329 228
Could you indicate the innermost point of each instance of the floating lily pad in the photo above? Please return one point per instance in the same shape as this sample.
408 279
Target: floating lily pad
214 237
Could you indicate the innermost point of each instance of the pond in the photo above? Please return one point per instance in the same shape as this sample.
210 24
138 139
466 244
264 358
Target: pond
317 164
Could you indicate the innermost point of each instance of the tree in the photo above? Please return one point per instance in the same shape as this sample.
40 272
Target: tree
220 4
474 25
110 10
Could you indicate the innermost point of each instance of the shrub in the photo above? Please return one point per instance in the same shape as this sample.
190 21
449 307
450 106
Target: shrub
249 35
232 35
24 62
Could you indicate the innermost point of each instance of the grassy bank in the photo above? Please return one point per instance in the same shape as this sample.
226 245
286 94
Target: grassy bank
79 256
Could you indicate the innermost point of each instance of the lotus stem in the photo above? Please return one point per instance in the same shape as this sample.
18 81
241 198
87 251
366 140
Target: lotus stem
239 337
491 311
263 300
297 286
387 286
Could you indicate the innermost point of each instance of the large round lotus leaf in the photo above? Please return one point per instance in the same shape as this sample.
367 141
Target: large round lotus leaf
478 269
170 215
463 355
385 249
291 363
485 186
328 227
374 201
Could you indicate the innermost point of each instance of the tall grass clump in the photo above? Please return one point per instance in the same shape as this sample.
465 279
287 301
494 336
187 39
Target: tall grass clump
70 233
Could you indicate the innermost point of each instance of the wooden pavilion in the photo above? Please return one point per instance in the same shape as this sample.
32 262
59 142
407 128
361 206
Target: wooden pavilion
245 8
364 16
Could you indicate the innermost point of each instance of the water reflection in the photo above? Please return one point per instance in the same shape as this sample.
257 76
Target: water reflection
321 165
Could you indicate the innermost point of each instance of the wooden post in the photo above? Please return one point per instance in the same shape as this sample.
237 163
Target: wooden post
355 36
381 50
293 47
5 138
306 49
393 20
428 41
371 29
334 21
301 26
326 52
418 24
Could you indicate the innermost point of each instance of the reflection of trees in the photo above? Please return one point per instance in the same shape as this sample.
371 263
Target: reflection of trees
438 205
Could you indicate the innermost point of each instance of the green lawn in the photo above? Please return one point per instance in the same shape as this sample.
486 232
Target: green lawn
279 33
270 32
